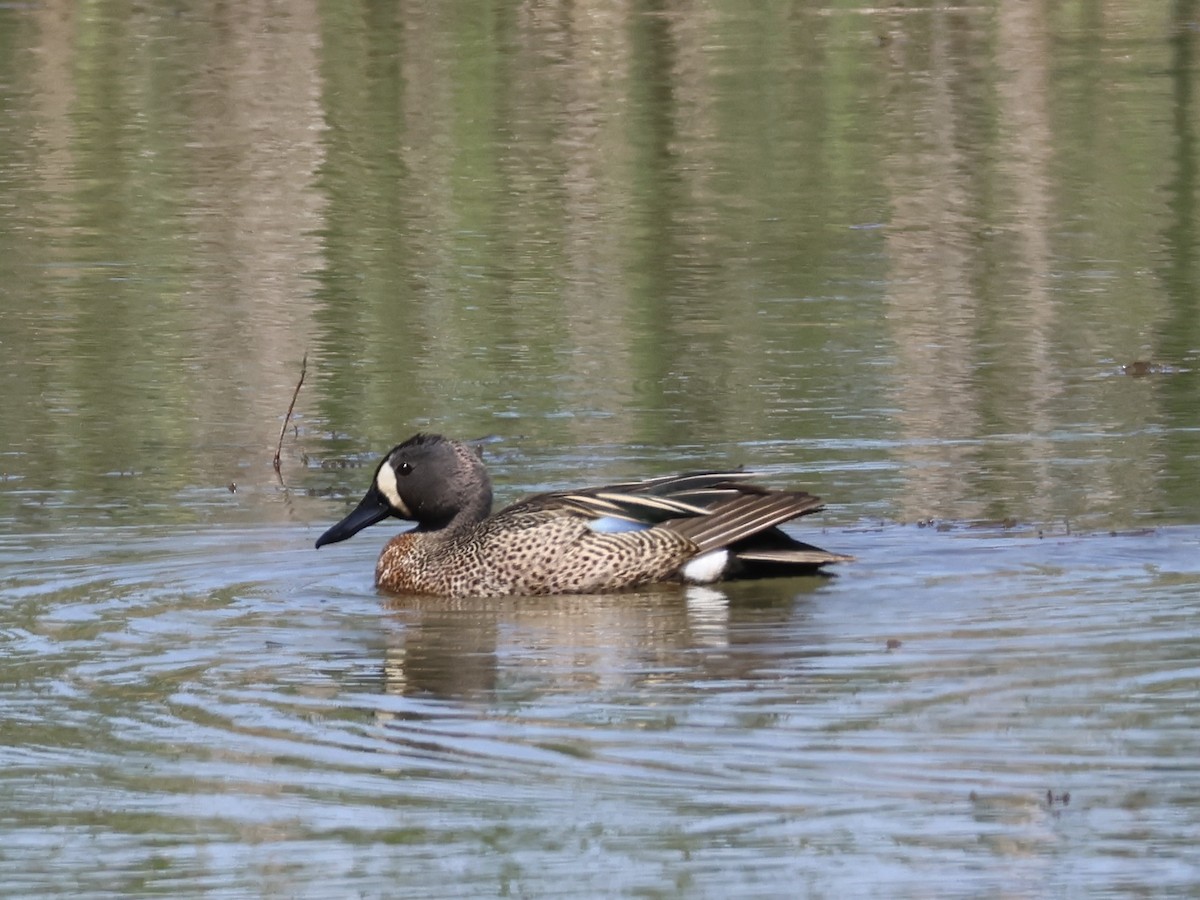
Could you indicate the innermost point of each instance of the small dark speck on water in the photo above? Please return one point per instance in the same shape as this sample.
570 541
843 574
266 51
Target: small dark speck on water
1140 368
232 487
894 643
1051 798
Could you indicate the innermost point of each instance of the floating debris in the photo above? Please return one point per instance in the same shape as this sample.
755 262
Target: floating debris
1140 368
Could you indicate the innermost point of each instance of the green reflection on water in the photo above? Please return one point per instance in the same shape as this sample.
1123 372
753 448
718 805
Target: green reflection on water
920 245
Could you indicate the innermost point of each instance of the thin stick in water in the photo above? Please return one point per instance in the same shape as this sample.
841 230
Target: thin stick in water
291 407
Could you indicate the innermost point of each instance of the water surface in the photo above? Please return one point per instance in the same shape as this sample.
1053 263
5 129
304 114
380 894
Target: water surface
936 264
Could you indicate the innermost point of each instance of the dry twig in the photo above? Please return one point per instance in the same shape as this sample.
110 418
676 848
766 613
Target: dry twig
291 407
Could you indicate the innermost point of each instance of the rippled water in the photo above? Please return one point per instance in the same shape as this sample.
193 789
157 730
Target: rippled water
936 263
226 709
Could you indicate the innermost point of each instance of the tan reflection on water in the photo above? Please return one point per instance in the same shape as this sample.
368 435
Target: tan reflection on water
216 285
1032 379
931 304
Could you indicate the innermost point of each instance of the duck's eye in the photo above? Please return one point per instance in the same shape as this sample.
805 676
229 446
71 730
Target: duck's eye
404 468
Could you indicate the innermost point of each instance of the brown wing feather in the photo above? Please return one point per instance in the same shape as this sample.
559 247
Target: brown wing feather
812 556
653 501
744 516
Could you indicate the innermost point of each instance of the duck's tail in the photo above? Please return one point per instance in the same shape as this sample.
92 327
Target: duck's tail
747 526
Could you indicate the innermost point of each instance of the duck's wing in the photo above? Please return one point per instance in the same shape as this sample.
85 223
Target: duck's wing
744 516
723 512
645 503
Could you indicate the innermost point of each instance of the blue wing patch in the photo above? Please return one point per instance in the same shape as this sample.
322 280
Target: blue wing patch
615 525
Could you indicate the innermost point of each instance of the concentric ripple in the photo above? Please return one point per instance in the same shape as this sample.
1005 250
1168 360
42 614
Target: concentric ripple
207 710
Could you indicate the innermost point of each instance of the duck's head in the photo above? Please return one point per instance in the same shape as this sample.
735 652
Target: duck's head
429 480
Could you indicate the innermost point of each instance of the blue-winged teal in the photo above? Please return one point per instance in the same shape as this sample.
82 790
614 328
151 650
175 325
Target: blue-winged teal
697 528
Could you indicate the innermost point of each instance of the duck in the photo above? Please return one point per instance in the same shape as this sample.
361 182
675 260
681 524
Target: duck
692 528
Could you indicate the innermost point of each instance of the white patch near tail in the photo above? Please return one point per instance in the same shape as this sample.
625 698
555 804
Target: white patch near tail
705 568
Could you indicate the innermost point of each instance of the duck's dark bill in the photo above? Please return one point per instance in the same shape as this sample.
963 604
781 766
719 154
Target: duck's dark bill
370 510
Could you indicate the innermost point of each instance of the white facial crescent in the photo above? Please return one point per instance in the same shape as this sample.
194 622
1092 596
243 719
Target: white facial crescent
386 482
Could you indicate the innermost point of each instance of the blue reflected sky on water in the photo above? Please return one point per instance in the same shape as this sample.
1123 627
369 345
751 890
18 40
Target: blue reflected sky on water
894 724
